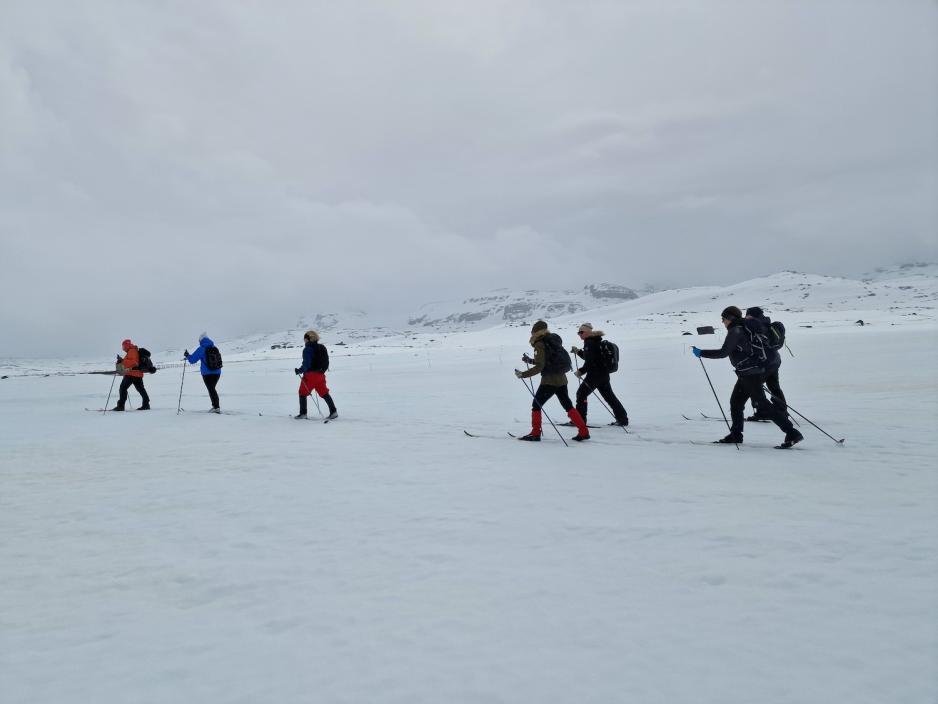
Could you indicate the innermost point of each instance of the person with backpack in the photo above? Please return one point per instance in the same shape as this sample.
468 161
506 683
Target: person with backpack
599 356
776 335
552 362
313 370
746 345
210 357
128 367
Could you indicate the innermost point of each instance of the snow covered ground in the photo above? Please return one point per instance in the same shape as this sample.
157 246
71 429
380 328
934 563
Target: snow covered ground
386 557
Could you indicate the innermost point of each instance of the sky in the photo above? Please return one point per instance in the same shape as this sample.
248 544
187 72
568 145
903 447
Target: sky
170 167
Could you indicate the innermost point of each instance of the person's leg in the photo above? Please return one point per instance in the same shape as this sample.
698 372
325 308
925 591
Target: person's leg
138 385
211 381
573 414
778 396
763 406
738 399
604 388
319 385
122 393
582 398
303 392
541 397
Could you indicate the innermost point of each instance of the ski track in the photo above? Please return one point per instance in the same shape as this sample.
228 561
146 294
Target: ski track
386 557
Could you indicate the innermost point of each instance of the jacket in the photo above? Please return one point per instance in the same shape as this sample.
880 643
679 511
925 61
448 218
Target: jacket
315 358
199 356
131 360
739 349
592 356
540 359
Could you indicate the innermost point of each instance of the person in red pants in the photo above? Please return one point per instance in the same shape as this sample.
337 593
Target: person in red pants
552 362
313 372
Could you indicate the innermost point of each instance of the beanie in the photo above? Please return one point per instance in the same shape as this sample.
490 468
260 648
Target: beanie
731 313
538 326
586 327
755 312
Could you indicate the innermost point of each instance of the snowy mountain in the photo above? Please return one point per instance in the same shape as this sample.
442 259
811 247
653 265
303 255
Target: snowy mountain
506 306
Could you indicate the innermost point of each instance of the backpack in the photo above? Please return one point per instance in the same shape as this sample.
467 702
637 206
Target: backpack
145 364
213 358
776 335
557 359
759 343
609 355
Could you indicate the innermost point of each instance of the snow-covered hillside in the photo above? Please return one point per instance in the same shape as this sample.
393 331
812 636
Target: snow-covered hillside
387 557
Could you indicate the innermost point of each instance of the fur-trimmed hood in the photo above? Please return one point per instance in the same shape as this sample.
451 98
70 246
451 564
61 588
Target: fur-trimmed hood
540 334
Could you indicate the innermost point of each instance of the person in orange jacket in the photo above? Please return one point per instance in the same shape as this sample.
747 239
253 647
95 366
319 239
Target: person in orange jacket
127 368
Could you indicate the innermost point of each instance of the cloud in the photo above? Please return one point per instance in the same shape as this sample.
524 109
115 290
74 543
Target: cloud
167 166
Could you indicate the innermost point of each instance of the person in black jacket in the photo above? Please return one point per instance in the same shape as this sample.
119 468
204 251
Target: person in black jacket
746 353
596 376
771 370
313 370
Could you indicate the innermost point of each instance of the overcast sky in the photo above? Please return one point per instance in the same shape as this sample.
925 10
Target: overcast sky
168 167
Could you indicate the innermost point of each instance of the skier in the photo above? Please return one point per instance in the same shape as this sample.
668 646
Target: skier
210 357
771 370
744 343
127 368
551 362
597 377
313 370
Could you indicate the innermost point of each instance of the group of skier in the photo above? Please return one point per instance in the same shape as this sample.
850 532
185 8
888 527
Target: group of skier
312 370
752 345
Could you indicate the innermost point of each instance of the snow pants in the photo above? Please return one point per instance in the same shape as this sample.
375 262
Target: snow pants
750 387
601 384
137 383
544 394
211 381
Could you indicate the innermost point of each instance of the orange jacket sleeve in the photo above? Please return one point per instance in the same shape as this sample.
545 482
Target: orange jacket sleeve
132 359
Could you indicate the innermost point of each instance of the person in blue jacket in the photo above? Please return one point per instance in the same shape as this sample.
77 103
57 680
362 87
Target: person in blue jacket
207 353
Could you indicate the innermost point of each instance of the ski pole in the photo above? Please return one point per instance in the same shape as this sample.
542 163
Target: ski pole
598 397
839 442
541 409
318 409
789 350
179 405
108 402
717 400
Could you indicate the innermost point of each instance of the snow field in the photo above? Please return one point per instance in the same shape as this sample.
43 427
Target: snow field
385 557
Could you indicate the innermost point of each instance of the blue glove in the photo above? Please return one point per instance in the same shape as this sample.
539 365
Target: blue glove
697 352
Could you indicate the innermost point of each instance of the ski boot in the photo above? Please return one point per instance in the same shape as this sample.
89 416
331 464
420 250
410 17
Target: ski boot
215 410
531 437
730 439
300 416
791 439
756 418
333 415
118 408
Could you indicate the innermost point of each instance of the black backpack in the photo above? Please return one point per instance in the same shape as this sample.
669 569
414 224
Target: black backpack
758 338
776 335
557 359
145 364
213 358
609 354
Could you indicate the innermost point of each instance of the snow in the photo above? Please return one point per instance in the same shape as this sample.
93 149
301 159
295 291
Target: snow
386 557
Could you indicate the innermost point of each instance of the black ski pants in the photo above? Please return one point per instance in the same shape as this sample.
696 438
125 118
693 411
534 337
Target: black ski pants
211 381
600 383
775 389
137 383
544 394
750 387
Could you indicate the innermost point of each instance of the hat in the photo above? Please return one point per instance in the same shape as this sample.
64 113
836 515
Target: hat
311 335
203 336
585 327
731 313
755 312
538 326
127 344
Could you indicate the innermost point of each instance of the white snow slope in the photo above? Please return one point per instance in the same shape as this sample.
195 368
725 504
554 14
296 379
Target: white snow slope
386 557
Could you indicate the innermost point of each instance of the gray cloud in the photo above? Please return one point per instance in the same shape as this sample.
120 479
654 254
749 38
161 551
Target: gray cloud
170 167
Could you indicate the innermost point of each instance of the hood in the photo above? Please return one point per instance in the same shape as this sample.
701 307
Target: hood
206 341
126 345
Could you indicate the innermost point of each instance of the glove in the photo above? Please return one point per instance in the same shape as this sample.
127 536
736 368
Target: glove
579 374
518 374
118 359
526 359
575 350
298 371
185 355
697 351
